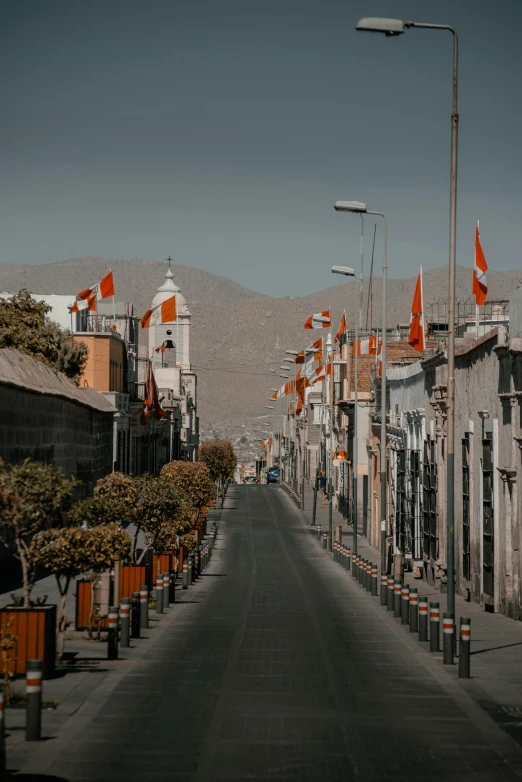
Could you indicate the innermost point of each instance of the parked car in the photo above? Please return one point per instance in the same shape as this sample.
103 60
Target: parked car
272 475
250 479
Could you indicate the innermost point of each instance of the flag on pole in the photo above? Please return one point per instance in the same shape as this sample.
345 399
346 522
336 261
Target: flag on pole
379 358
416 337
274 396
86 300
163 313
161 349
151 403
342 329
365 347
319 320
480 286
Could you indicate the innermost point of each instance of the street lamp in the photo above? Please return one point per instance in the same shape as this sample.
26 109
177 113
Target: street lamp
292 352
284 369
358 207
396 27
347 271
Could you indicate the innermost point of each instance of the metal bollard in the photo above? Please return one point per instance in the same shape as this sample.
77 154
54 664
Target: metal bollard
166 590
374 577
196 564
423 618
397 598
348 563
125 622
334 551
389 596
191 569
185 575
434 627
318 532
360 561
325 540
384 584
159 594
144 606
172 587
448 638
464 648
414 610
369 576
2 737
112 635
33 708
354 564
405 604
135 615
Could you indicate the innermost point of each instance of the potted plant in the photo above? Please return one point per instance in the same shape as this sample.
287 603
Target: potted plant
70 551
32 497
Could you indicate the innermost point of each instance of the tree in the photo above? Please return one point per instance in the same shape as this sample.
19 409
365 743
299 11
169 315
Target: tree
220 458
193 479
121 489
70 551
32 496
24 325
162 514
189 543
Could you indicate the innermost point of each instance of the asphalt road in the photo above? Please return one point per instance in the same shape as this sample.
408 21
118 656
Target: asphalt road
278 667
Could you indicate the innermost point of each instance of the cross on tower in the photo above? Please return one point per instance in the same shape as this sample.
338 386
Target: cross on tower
169 259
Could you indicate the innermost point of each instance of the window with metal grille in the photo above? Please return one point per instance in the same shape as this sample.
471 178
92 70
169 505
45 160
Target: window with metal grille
429 491
465 507
401 500
487 515
416 503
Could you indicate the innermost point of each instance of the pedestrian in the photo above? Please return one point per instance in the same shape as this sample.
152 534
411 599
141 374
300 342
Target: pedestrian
322 486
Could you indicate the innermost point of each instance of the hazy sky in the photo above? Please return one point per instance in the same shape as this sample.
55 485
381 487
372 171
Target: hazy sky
223 131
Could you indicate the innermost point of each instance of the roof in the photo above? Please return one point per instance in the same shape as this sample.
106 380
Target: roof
25 372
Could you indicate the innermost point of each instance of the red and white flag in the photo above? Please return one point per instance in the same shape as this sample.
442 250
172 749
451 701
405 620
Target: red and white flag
365 347
342 329
480 286
151 403
416 337
86 300
319 320
163 313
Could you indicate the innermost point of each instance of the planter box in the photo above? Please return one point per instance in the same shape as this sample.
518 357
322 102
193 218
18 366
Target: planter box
84 606
131 579
162 564
35 629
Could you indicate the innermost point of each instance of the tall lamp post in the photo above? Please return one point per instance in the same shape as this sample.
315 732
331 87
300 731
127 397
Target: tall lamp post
349 272
358 207
392 27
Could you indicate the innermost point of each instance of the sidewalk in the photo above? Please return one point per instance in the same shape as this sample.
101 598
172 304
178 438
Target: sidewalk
85 674
496 641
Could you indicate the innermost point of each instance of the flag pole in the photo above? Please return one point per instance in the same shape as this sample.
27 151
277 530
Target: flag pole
422 310
113 301
477 309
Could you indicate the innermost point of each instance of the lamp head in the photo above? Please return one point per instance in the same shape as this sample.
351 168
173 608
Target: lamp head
375 24
346 270
350 206
292 352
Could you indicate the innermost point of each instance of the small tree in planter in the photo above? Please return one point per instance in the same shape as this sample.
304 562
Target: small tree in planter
32 496
193 479
70 551
189 543
220 458
162 513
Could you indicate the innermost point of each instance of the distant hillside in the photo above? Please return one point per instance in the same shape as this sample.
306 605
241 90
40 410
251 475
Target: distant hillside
238 335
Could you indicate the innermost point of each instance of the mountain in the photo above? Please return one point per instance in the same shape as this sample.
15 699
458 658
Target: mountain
238 334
